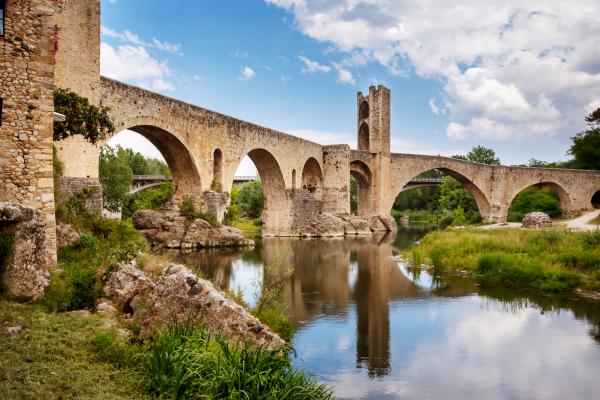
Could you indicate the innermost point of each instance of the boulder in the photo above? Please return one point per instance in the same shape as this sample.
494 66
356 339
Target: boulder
179 294
537 220
171 230
356 226
66 235
26 270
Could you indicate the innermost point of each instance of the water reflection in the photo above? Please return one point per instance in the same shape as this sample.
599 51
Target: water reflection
374 329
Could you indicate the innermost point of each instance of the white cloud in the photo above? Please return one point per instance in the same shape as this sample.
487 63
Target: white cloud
134 64
437 110
344 76
239 54
129 37
247 73
510 69
310 66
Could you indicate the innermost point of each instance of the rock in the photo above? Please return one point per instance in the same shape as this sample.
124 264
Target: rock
171 230
66 235
356 226
537 220
80 313
14 330
181 295
27 267
106 308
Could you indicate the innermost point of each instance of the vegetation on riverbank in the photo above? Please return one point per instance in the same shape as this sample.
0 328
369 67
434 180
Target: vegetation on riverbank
550 260
71 355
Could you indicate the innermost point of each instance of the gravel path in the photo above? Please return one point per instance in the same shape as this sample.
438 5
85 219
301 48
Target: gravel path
583 222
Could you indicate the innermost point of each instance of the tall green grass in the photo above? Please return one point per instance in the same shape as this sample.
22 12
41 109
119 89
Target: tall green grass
186 362
550 260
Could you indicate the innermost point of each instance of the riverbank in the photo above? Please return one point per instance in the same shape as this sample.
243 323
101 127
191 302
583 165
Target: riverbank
553 260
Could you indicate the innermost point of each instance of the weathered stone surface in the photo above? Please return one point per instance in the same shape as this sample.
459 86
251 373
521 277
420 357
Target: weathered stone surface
66 235
356 226
537 220
180 294
27 267
171 230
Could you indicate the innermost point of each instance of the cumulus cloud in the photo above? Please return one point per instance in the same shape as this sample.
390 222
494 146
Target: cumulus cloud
129 37
343 75
510 69
310 66
134 64
247 73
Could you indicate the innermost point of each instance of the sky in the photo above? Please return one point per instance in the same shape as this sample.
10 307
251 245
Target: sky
515 76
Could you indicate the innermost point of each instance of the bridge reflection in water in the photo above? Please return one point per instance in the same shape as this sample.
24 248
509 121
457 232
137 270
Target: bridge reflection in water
373 330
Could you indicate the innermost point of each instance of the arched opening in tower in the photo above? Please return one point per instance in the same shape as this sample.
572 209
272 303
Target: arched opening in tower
363 137
364 110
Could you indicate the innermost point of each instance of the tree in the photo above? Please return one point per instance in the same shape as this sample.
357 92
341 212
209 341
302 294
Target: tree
137 163
545 164
594 118
534 199
454 195
115 177
82 118
251 199
483 155
586 149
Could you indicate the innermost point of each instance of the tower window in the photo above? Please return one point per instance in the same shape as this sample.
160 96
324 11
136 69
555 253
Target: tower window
2 13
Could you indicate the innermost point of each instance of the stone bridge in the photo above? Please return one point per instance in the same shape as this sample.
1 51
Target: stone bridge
142 182
306 184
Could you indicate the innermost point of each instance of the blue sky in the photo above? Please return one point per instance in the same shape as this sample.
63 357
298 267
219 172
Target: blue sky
508 76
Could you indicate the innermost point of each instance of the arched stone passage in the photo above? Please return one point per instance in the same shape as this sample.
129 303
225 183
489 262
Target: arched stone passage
363 137
186 177
483 204
362 174
596 200
312 177
275 213
563 195
217 183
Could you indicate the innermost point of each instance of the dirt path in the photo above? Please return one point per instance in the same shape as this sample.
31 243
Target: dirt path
582 222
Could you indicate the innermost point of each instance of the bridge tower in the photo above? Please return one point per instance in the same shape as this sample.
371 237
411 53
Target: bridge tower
373 137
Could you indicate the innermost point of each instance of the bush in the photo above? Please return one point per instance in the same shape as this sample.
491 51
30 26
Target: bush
188 208
6 242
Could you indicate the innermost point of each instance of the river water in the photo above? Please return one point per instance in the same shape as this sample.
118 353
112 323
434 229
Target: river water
372 329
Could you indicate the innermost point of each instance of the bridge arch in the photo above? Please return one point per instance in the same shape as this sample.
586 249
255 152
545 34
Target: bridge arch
312 176
364 180
482 202
186 177
274 216
596 200
557 188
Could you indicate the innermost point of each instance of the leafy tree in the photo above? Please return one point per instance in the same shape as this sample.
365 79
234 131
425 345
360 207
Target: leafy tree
586 149
459 216
137 163
594 118
233 211
545 164
481 155
453 195
152 198
83 118
115 177
534 199
251 199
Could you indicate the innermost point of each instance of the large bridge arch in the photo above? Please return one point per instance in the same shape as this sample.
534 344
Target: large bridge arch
559 189
312 177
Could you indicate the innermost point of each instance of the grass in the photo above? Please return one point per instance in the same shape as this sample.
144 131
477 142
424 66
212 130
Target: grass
550 260
52 358
246 224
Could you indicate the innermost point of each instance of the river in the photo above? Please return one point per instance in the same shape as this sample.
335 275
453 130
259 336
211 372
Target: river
372 329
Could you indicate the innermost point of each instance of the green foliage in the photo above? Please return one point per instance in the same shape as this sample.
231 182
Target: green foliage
594 117
6 242
586 149
115 176
459 216
188 208
232 215
153 198
541 199
187 363
554 164
425 198
480 154
353 196
89 121
551 260
271 307
78 282
251 199
454 195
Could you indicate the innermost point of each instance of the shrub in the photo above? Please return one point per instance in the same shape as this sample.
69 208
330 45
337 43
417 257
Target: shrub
6 242
188 208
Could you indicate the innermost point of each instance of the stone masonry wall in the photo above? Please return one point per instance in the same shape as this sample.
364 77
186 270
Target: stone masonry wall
71 186
26 86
